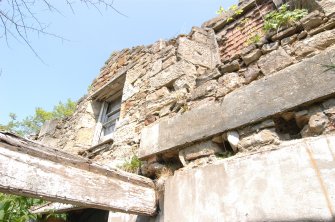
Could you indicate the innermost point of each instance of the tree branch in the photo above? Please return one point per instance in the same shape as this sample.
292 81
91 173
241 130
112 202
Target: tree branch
18 18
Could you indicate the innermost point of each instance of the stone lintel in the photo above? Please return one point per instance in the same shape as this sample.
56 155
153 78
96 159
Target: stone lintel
295 85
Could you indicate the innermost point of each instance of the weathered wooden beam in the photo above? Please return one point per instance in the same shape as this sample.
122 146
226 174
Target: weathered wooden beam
54 208
31 169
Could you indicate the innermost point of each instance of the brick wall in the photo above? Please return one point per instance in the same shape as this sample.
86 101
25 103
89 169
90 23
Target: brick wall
236 35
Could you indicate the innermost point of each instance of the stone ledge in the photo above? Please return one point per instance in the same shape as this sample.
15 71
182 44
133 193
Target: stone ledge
295 85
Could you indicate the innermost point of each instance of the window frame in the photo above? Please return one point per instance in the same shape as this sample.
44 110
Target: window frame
99 136
106 114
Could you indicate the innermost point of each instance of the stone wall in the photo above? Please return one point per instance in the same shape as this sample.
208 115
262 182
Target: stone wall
211 94
169 78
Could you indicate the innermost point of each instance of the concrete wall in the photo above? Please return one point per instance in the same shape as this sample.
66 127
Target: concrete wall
293 183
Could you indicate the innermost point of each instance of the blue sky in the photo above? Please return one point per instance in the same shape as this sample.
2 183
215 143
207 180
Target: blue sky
70 66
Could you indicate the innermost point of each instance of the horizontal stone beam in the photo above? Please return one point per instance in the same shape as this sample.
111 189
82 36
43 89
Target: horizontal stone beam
295 85
31 169
292 183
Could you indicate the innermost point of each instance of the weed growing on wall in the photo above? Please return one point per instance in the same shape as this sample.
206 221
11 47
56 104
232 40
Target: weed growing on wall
254 39
283 17
234 8
132 165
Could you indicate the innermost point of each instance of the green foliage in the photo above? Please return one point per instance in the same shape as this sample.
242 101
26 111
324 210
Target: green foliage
329 67
225 154
32 124
16 208
234 8
63 110
12 125
133 165
254 39
283 17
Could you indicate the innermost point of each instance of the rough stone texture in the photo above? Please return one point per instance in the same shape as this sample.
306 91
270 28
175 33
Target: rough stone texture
207 89
200 150
228 83
328 6
251 73
274 61
48 127
237 109
172 73
317 42
293 183
230 67
206 76
252 56
327 26
198 53
253 142
317 123
270 47
312 20
285 33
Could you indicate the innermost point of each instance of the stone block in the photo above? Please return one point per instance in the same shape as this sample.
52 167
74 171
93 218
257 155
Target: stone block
327 26
48 127
312 20
200 150
185 82
169 61
209 75
317 123
257 140
252 56
274 61
228 83
288 40
198 53
155 68
251 73
320 41
230 67
172 73
270 47
207 89
295 85
328 6
285 33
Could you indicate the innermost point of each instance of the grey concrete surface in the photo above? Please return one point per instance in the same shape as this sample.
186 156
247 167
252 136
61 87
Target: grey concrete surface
293 183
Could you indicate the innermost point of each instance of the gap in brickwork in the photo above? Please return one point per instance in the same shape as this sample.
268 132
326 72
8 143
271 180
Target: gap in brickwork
287 126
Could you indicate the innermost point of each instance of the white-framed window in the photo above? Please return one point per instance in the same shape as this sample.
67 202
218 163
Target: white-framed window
110 116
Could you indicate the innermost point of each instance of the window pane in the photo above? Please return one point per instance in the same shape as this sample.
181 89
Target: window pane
114 116
114 105
109 128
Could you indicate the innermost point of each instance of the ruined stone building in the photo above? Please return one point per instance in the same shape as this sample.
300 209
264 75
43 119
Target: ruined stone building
231 123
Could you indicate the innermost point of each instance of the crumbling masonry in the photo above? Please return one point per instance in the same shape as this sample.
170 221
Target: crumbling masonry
247 128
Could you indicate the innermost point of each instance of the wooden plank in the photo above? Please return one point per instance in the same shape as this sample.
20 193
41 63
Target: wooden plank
54 208
31 169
